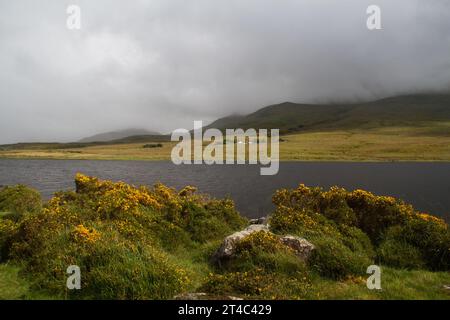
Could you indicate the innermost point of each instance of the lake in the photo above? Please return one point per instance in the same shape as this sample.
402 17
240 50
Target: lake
425 185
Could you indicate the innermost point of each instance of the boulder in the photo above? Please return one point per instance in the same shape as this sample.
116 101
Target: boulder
262 220
300 246
228 245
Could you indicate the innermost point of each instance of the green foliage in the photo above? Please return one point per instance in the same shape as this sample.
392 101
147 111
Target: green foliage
11 285
356 240
122 237
8 229
261 267
152 145
400 255
19 200
214 221
263 250
424 240
349 227
291 117
257 283
335 260
153 243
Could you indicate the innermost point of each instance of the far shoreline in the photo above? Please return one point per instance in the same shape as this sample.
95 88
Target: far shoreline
322 160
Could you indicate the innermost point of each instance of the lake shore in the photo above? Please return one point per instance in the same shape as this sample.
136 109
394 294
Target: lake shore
316 244
374 145
423 184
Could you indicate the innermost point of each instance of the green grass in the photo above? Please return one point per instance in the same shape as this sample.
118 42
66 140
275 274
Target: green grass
155 243
404 128
15 287
396 285
11 285
381 144
396 111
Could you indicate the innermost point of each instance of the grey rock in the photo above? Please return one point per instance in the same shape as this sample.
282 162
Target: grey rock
300 246
228 245
262 220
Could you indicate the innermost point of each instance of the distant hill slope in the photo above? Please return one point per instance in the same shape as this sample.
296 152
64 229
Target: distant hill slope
117 135
292 117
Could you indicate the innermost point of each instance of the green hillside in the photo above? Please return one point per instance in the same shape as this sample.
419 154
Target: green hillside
77 145
413 110
117 135
405 128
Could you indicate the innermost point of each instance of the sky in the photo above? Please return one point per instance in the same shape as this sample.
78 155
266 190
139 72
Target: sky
161 64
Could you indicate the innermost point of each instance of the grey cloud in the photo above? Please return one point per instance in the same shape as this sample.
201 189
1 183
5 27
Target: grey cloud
161 64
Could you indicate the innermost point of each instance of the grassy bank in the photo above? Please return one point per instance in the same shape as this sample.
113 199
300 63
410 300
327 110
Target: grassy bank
428 142
157 243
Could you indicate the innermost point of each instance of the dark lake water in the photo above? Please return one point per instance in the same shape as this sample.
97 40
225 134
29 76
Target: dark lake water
425 185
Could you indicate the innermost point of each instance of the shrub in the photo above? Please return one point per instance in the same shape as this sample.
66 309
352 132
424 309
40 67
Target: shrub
375 214
360 221
303 222
260 241
251 283
118 271
20 200
357 241
400 254
8 229
122 237
257 283
261 267
263 250
153 145
210 221
170 236
428 235
335 260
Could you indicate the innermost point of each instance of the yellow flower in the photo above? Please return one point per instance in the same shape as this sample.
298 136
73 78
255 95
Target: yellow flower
83 234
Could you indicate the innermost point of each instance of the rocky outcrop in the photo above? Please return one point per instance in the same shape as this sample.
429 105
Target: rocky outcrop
262 220
301 247
227 248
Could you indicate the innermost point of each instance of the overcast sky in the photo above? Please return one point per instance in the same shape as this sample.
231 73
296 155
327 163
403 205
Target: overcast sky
160 64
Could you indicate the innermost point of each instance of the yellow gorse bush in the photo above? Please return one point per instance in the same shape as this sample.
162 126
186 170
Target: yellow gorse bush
121 236
261 240
315 213
116 196
83 234
360 208
430 218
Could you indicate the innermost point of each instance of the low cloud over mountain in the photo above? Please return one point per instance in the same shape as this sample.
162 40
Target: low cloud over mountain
161 64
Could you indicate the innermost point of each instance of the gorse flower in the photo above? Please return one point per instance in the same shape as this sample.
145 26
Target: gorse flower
83 234
121 236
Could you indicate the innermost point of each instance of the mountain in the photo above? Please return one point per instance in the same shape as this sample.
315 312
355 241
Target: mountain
118 135
395 111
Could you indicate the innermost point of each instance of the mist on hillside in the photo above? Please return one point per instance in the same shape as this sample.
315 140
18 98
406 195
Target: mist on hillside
161 64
